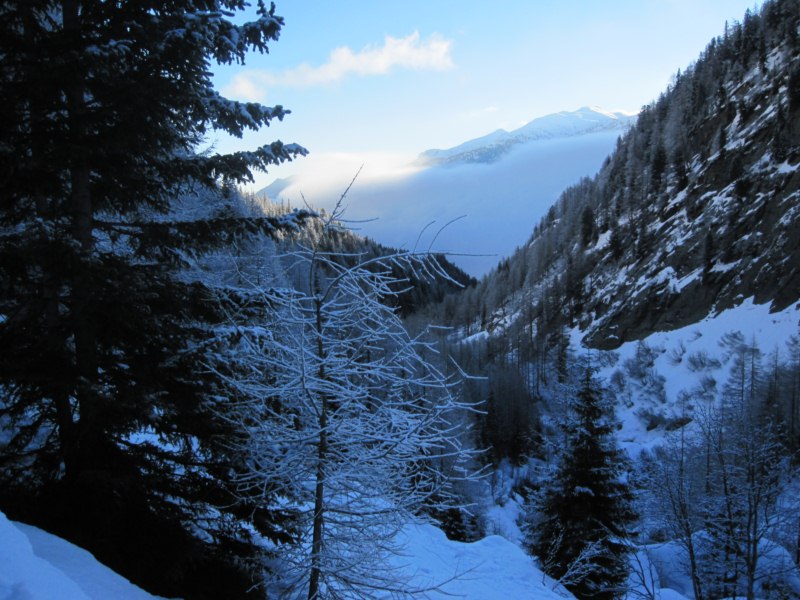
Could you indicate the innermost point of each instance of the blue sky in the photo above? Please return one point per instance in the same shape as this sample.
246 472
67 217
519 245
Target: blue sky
378 82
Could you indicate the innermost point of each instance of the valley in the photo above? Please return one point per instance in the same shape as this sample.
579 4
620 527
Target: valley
557 361
475 207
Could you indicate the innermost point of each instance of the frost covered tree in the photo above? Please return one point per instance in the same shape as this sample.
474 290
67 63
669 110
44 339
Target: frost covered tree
748 470
580 528
720 484
105 106
346 415
675 477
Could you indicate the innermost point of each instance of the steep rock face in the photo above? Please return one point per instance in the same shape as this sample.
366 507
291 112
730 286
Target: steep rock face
727 230
696 209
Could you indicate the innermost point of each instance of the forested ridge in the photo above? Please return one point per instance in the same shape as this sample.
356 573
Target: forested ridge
694 214
694 209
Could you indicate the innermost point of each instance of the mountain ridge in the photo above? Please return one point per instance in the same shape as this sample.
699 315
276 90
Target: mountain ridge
491 147
696 210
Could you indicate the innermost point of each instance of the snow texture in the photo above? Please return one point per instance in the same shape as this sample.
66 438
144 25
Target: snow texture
35 565
490 569
674 355
670 559
559 125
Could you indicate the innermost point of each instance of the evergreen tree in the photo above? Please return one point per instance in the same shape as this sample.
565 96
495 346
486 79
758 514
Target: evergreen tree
511 421
679 166
657 166
587 509
709 251
103 418
616 242
587 226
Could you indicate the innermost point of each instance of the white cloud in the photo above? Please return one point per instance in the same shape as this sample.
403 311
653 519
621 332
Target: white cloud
244 88
410 52
323 177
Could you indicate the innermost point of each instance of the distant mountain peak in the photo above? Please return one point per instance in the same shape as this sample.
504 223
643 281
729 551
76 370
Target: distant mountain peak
489 148
274 189
598 111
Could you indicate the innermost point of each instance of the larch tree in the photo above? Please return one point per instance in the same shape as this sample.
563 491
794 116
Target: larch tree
747 474
347 413
103 107
675 477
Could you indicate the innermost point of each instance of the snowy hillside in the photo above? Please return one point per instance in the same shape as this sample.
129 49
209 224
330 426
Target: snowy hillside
35 565
696 209
654 378
490 569
668 284
499 199
565 124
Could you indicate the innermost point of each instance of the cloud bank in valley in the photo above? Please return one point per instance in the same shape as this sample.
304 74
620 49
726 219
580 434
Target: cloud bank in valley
401 204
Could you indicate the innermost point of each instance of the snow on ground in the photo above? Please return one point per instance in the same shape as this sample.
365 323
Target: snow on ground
35 565
669 594
490 569
776 569
671 353
647 577
495 569
501 507
504 519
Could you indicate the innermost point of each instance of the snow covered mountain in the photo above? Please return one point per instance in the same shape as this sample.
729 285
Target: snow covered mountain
492 147
673 279
695 211
496 187
685 245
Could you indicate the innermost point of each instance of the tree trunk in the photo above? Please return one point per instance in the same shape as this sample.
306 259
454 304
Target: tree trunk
797 546
322 452
319 505
83 327
50 284
685 522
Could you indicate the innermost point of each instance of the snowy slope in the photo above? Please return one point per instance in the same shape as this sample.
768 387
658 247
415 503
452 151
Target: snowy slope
673 372
499 139
564 124
490 569
696 209
736 217
500 200
35 565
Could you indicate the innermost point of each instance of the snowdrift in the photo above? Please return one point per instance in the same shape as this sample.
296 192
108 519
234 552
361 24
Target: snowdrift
35 565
